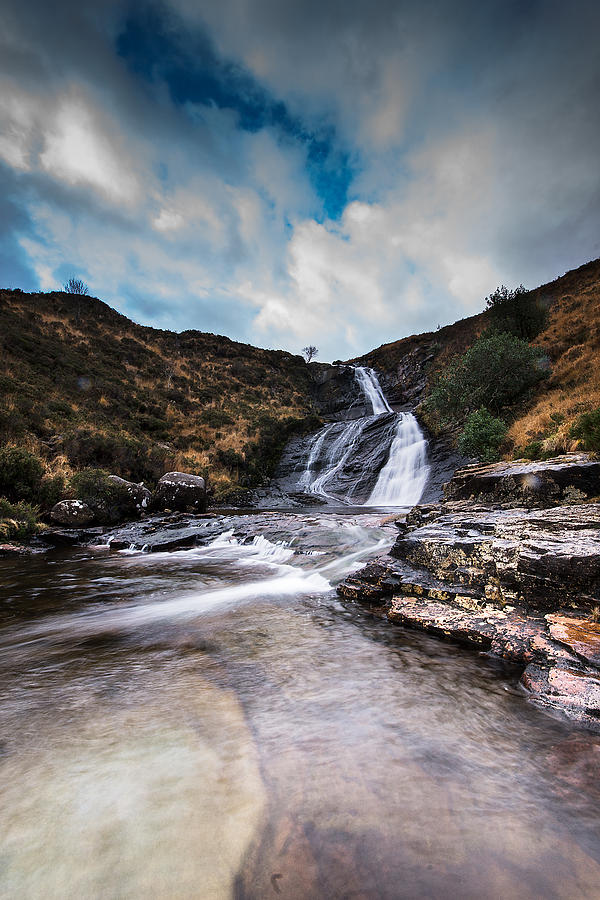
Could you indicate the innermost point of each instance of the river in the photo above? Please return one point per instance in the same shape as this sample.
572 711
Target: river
215 722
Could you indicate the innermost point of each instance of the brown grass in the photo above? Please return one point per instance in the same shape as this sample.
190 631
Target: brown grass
571 340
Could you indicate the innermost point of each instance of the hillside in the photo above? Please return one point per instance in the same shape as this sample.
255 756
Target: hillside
82 385
570 340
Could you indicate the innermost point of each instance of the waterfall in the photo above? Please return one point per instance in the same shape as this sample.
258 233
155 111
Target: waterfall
402 480
342 456
333 459
371 388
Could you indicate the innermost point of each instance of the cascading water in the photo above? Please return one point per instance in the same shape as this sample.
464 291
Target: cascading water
342 456
402 480
371 388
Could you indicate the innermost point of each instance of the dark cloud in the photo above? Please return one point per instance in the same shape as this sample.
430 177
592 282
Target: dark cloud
275 170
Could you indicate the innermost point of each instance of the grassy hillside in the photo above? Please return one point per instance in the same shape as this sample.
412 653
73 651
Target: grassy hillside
544 419
81 385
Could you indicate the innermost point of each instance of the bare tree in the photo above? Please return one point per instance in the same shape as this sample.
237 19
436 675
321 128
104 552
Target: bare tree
309 352
76 286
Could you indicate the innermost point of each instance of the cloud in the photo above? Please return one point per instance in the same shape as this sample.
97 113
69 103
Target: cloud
340 173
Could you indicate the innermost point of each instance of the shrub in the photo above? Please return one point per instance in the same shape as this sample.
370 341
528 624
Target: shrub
517 312
52 489
20 474
482 436
495 371
76 286
17 520
215 418
105 497
587 430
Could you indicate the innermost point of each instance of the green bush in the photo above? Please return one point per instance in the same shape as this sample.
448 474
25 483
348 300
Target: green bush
587 430
494 372
17 520
20 474
517 312
52 489
215 418
106 498
482 436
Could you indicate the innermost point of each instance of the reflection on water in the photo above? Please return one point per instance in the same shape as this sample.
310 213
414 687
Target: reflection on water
214 723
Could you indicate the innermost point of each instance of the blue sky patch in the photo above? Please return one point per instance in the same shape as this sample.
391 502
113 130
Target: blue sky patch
156 48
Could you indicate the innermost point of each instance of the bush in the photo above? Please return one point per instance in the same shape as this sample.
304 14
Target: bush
516 312
482 436
17 520
76 286
494 372
215 418
20 474
587 430
105 497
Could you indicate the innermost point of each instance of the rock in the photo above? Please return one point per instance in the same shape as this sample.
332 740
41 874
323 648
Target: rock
133 499
566 689
572 477
72 513
336 392
180 491
549 556
164 533
581 636
353 479
58 537
484 576
13 550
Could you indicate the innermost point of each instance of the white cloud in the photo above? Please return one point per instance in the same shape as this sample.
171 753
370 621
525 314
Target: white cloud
79 151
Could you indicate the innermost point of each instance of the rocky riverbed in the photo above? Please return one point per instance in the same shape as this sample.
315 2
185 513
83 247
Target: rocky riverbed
511 569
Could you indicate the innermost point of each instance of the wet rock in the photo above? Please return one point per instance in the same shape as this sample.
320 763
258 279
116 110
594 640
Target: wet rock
180 491
72 512
118 544
164 533
57 537
572 477
353 481
485 577
581 636
13 550
336 393
567 690
547 556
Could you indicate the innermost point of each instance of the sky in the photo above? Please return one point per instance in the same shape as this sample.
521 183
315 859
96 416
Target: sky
292 172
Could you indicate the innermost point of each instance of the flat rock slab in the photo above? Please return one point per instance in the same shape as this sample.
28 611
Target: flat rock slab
582 637
453 567
512 634
568 690
572 477
551 556
161 534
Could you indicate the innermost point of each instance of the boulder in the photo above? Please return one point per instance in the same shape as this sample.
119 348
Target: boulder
180 491
72 513
131 499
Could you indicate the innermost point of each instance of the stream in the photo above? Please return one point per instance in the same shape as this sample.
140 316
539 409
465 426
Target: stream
216 722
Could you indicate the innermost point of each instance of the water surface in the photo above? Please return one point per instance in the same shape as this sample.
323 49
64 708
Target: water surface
216 723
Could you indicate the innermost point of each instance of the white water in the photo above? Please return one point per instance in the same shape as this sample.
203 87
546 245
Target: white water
402 479
337 454
371 388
